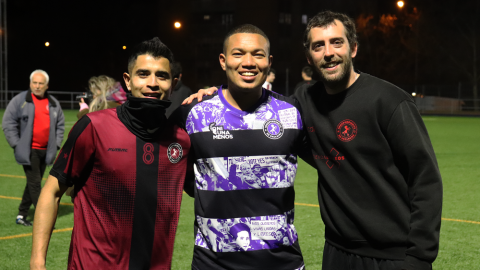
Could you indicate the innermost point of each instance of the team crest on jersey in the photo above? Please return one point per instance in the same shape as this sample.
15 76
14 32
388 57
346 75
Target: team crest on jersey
174 152
273 129
346 130
219 133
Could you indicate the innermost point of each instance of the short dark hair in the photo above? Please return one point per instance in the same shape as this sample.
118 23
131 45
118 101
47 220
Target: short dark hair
308 71
247 29
176 69
326 18
271 70
153 47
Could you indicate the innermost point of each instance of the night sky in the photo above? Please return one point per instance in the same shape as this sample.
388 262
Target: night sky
87 36
86 39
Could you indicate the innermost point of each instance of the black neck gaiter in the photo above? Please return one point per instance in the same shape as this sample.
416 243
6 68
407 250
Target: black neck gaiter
143 116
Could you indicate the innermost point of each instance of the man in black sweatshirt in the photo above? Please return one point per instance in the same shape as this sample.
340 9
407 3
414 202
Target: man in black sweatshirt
379 185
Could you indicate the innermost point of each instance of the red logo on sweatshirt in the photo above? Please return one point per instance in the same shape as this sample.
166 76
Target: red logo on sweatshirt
346 130
333 159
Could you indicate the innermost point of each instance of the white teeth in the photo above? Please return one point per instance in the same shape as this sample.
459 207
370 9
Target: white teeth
330 65
248 73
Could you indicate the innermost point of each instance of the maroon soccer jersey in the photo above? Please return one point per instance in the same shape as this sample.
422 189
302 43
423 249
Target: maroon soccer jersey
128 193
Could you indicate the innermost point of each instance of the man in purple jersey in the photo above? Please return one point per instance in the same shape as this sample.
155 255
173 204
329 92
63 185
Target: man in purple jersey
128 165
243 137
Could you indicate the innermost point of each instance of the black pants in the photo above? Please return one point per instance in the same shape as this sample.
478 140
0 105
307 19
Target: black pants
34 173
336 259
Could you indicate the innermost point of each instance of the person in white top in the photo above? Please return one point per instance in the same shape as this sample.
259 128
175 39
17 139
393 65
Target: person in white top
270 78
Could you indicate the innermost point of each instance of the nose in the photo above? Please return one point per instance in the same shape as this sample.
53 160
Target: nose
152 81
248 60
328 52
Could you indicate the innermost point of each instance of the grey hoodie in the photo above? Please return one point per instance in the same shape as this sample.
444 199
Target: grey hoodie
17 125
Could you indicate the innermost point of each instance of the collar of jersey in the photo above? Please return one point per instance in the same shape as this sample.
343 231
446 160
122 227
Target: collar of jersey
252 109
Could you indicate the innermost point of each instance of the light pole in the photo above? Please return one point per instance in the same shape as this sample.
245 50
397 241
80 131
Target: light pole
3 53
400 4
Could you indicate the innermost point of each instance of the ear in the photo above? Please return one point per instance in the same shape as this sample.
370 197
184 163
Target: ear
222 60
309 59
126 78
354 50
174 83
270 61
169 92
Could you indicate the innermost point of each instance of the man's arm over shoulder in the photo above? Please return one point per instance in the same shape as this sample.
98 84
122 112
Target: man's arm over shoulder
180 115
45 216
415 158
11 121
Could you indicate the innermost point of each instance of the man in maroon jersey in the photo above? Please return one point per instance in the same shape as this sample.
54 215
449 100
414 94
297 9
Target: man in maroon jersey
128 165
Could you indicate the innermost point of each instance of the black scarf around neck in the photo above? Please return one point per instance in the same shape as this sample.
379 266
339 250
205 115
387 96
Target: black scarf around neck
144 117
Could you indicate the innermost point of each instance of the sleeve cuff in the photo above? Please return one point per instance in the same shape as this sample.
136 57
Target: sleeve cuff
61 178
83 106
413 263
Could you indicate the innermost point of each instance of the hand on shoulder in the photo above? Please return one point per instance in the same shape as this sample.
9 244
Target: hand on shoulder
199 95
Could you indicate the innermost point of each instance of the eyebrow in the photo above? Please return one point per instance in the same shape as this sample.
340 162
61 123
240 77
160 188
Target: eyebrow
242 50
161 73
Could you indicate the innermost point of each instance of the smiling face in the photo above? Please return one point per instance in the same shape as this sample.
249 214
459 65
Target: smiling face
246 61
243 240
38 85
150 77
330 53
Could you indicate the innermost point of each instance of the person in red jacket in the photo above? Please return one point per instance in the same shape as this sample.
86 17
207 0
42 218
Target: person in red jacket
33 124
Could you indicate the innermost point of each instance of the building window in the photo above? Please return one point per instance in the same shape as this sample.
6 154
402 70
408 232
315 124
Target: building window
206 17
288 18
281 18
227 19
304 19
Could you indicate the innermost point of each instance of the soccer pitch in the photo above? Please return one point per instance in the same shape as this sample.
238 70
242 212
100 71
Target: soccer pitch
456 141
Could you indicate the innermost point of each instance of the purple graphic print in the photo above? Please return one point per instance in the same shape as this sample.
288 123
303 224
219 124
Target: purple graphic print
216 112
239 173
246 234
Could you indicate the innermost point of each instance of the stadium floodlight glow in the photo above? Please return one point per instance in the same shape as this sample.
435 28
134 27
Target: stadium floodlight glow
400 4
47 44
124 47
177 25
414 94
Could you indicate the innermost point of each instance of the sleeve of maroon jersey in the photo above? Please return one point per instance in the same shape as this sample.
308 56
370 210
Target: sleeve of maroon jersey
75 160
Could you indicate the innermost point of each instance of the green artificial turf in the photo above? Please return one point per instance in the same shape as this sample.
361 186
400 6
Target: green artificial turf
456 141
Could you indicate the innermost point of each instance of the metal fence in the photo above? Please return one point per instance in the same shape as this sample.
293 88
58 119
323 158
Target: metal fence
430 99
67 99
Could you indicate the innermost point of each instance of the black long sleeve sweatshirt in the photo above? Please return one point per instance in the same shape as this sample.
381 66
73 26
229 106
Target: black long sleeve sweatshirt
379 188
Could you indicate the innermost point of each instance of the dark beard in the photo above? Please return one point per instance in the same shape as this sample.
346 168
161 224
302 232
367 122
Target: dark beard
339 81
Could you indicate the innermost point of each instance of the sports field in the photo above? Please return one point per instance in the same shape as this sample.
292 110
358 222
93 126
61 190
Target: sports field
457 144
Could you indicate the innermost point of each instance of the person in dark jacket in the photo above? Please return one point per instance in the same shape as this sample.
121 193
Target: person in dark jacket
307 73
380 189
180 92
33 124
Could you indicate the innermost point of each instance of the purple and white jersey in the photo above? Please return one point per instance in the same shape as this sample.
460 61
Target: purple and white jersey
245 167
